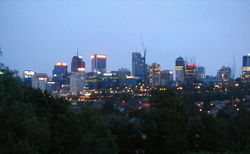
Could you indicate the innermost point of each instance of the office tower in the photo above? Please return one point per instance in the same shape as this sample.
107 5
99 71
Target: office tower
246 66
122 73
77 64
191 72
77 82
39 81
201 72
180 70
225 73
27 77
166 77
109 80
154 75
98 62
139 66
93 81
131 81
60 75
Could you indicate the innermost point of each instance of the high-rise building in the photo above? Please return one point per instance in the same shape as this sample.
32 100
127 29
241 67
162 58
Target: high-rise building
93 81
122 73
77 64
109 80
225 73
154 75
166 77
27 77
39 81
77 82
139 66
246 66
180 70
191 72
60 75
99 63
201 72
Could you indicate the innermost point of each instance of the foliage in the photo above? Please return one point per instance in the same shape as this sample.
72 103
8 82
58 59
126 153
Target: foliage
33 121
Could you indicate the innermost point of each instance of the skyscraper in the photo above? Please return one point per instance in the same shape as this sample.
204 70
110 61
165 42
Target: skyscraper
139 66
39 81
109 80
122 73
225 73
166 77
154 75
201 72
98 62
246 66
27 77
60 75
191 72
77 82
77 63
180 70
93 81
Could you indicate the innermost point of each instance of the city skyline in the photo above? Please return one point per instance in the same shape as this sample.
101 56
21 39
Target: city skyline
41 38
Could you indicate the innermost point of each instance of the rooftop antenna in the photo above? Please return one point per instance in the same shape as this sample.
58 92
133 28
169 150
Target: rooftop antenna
77 51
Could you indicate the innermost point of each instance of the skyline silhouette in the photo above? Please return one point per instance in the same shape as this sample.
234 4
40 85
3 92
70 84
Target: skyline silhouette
37 34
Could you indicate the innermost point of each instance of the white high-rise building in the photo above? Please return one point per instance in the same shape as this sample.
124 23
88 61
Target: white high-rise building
77 82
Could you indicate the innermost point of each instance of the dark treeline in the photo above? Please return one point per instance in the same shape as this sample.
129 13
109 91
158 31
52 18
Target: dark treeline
35 122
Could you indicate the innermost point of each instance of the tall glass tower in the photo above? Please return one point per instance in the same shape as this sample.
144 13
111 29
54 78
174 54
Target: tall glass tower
77 64
60 75
180 70
98 62
246 66
139 66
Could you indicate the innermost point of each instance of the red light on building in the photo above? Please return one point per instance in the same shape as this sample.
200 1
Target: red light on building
191 65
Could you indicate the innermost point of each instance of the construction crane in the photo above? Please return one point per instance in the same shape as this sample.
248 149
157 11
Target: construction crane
1 53
144 49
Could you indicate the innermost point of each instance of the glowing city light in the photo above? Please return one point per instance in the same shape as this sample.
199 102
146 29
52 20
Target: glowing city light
61 64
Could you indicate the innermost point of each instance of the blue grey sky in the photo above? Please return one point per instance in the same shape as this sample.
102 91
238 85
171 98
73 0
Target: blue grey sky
35 34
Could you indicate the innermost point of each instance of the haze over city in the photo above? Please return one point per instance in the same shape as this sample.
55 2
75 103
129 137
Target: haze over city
37 34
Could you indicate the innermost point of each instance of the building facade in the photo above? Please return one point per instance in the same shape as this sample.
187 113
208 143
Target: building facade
93 81
27 77
98 63
224 74
166 77
77 83
246 66
77 64
60 75
191 72
39 81
180 70
154 75
109 80
201 72
139 66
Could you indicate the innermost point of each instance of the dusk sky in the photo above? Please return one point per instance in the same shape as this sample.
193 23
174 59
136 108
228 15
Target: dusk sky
37 34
